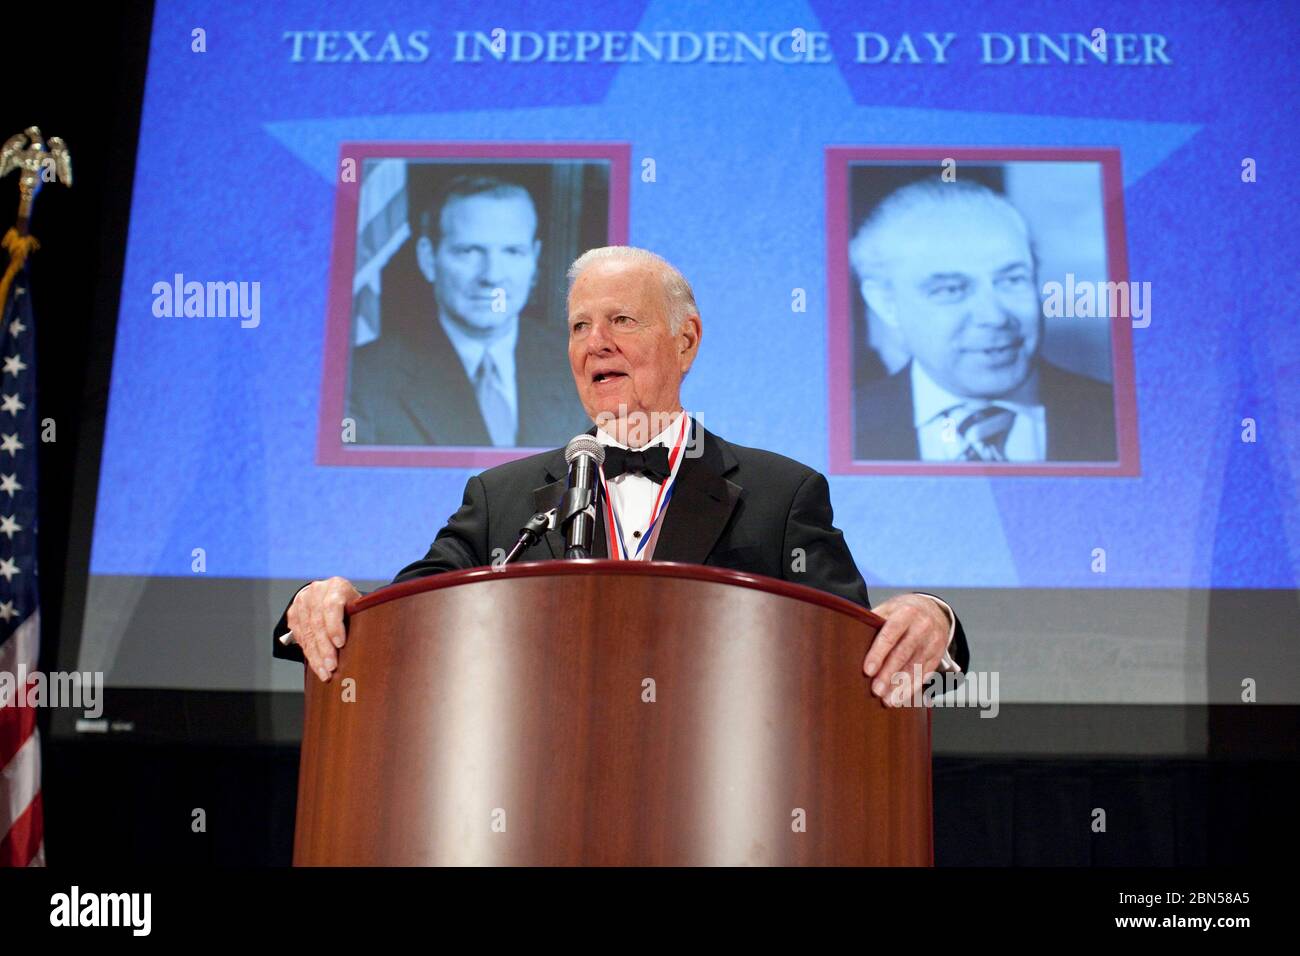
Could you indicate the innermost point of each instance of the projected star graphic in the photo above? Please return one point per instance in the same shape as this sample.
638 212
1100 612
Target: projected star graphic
759 192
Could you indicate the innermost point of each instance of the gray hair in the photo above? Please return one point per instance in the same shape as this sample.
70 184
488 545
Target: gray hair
677 291
869 248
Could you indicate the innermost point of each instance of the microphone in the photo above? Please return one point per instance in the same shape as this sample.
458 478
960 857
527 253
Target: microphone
577 512
531 533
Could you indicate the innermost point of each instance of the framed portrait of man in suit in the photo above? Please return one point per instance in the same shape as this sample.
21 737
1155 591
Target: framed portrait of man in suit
446 340
981 314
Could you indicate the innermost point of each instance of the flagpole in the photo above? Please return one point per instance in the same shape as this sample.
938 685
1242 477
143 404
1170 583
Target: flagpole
37 163
22 814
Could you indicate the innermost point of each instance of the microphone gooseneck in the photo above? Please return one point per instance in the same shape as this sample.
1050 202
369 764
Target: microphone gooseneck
531 533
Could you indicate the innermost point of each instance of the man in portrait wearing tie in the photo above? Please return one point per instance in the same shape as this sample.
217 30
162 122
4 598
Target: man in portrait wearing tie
669 490
468 370
950 266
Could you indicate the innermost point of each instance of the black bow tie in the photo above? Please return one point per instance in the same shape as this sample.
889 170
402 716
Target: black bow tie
651 462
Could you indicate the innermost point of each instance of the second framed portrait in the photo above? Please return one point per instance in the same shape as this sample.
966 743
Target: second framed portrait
980 312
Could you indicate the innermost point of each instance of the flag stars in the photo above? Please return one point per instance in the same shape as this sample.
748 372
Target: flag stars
11 444
9 526
11 404
16 326
14 364
8 568
10 484
7 611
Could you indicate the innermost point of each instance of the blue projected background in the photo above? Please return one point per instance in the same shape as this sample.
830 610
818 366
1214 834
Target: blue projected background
211 438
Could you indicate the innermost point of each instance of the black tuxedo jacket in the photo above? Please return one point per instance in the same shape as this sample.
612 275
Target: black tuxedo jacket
732 507
408 387
1080 415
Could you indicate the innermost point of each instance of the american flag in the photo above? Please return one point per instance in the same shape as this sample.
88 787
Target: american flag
21 821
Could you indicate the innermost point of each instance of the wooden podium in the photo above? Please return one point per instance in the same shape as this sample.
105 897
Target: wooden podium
609 713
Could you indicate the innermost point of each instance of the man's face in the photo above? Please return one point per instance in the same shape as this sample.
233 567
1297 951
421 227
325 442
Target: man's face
484 264
626 361
963 295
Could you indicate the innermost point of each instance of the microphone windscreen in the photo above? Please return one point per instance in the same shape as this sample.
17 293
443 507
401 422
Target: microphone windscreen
584 445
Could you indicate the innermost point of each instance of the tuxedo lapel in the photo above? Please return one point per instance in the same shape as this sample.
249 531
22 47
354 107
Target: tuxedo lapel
702 503
548 496
599 538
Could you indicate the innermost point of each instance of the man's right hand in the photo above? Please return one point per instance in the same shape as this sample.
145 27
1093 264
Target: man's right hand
316 620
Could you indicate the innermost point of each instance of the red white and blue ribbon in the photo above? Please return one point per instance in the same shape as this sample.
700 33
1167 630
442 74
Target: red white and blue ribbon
661 500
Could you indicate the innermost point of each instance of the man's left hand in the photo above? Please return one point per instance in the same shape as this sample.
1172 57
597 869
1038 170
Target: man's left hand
915 634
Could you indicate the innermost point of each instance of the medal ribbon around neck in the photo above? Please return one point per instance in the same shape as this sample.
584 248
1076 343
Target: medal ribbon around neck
661 500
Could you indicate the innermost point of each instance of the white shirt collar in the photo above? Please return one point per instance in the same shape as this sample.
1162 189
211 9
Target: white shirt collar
931 401
470 350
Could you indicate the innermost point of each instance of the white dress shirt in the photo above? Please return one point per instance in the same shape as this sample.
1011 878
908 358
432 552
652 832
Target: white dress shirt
470 350
632 497
936 413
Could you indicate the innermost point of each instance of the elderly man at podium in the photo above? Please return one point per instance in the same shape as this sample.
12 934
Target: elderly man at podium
634 331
